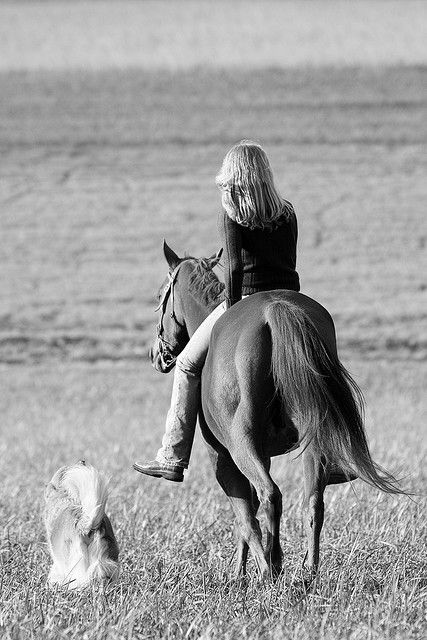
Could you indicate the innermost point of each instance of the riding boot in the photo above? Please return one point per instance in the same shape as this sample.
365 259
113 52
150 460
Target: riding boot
181 419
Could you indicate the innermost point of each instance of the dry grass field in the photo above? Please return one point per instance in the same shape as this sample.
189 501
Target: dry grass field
177 541
96 168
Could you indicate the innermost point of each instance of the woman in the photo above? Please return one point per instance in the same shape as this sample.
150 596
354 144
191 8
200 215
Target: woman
259 234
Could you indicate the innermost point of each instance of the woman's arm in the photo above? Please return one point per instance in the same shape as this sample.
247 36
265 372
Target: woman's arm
233 267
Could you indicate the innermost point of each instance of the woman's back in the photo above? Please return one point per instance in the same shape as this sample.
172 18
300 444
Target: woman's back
259 259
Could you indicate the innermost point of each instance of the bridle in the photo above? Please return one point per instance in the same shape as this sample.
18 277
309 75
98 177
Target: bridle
165 349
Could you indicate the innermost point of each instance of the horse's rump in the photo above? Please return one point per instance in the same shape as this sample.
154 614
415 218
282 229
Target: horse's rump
238 369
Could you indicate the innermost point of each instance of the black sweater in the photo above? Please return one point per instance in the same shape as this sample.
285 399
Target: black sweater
259 259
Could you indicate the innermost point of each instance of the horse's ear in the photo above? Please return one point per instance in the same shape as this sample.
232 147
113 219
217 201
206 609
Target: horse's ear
171 258
213 260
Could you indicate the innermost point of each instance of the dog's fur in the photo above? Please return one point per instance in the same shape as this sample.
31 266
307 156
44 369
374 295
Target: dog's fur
80 536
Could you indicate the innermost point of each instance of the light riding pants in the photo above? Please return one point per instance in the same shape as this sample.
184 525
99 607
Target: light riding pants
182 415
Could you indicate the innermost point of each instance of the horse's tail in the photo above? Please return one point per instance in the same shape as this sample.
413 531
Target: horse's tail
320 395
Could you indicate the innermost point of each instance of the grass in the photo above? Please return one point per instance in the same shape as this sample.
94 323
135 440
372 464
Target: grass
176 541
96 169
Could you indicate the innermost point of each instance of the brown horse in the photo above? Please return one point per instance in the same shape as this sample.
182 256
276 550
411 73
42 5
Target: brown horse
272 381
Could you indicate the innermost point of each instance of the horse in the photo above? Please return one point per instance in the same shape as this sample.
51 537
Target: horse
272 382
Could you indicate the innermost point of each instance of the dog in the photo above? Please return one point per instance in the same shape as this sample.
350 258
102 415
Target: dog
80 536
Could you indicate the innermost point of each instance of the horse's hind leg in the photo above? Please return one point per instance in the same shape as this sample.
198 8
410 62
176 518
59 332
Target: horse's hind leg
273 552
248 533
256 470
315 481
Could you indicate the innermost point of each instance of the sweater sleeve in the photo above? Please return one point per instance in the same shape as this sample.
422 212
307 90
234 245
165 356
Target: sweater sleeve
233 267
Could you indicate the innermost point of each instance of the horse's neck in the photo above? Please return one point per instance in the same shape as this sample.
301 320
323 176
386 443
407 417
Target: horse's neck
194 309
195 313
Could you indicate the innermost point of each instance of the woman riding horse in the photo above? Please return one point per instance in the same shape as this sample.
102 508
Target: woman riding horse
270 376
259 235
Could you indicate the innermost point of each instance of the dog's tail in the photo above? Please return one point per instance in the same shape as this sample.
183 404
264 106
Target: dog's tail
88 489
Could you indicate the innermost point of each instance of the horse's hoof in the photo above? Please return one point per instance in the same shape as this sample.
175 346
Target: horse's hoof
308 578
276 570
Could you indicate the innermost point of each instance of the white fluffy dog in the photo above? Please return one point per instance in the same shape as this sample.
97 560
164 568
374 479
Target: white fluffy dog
80 535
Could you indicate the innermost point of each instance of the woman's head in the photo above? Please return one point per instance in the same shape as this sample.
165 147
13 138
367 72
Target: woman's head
246 181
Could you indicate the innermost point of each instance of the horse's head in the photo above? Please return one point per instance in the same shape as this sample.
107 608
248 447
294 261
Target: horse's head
173 327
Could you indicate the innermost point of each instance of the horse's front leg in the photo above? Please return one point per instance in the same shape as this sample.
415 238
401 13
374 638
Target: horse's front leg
242 549
314 485
273 553
241 544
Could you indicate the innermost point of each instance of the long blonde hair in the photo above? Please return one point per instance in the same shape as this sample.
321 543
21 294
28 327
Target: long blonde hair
248 193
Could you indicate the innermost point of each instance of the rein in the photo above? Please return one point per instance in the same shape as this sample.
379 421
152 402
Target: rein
165 348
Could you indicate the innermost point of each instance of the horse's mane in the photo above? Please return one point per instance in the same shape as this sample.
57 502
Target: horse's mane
205 286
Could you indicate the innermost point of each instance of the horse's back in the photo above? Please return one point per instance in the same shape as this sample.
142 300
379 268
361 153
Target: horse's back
246 321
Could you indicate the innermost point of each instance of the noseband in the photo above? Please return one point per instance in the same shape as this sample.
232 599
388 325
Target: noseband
166 353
